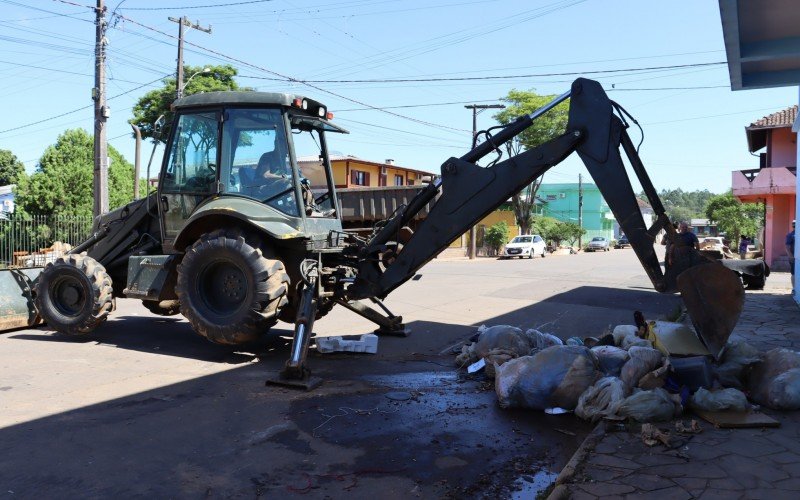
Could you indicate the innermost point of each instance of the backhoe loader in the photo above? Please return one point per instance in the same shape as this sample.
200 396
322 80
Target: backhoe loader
236 238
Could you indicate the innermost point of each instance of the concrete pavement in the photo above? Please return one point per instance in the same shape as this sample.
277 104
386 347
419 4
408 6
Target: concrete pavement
717 463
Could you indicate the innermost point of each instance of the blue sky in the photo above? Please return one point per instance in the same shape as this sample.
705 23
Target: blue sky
694 137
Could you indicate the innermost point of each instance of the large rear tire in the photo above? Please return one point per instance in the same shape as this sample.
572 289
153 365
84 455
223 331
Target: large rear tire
74 294
163 308
229 292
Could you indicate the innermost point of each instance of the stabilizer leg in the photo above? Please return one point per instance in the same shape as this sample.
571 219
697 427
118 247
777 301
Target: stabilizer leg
295 373
387 325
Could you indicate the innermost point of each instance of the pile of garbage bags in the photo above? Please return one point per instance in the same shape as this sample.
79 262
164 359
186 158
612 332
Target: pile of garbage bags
630 379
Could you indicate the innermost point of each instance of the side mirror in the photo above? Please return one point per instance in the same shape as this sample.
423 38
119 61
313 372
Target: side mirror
158 127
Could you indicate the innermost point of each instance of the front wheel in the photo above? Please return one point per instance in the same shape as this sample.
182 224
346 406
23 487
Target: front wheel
74 294
228 290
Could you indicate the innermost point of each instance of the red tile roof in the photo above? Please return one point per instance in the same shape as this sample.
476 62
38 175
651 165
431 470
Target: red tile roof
783 118
758 130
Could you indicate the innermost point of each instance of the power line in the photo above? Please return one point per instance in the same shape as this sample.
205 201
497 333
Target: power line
501 77
185 7
292 79
78 109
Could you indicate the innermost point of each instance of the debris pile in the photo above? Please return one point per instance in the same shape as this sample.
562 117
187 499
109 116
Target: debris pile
646 372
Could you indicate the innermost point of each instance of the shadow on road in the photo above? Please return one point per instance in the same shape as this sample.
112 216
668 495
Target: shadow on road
226 434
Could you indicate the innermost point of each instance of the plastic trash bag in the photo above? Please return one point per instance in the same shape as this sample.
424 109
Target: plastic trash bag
642 361
610 359
495 358
775 381
634 341
648 406
601 399
724 399
556 376
622 331
575 341
504 337
539 340
735 358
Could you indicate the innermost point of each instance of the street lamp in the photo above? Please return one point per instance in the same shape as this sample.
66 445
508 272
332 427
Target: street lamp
477 108
184 84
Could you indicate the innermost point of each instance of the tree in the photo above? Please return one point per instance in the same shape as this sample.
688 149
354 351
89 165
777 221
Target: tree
157 102
566 231
62 183
683 205
496 236
735 218
544 128
11 169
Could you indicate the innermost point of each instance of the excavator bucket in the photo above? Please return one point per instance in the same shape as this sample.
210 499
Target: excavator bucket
16 298
714 298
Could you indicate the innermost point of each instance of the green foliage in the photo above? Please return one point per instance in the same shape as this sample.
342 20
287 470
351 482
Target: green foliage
566 231
735 218
542 226
683 205
62 183
719 202
556 231
496 236
11 169
550 125
157 102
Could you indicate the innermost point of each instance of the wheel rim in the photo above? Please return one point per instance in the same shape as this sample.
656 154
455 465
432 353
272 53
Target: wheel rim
223 287
68 295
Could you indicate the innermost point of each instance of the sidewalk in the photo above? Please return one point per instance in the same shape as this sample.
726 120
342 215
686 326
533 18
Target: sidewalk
717 463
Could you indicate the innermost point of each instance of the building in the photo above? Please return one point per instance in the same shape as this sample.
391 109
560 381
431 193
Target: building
648 216
7 198
703 227
349 171
561 202
773 182
762 51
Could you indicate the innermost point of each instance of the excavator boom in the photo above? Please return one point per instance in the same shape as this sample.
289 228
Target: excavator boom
467 192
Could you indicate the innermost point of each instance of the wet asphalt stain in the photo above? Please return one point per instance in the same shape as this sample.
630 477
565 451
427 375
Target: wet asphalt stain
450 437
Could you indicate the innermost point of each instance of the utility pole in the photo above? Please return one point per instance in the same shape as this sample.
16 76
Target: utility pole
580 210
101 113
183 22
477 108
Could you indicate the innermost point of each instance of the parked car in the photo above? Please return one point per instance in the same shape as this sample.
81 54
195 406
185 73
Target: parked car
712 243
598 243
526 245
622 242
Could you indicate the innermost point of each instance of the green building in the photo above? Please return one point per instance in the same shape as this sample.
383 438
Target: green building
560 201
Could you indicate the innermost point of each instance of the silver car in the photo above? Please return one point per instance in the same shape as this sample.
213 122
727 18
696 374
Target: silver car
598 243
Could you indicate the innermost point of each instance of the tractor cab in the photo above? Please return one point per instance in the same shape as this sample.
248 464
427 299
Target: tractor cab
260 157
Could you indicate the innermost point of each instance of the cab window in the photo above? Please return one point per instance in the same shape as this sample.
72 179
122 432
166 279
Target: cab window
257 163
192 166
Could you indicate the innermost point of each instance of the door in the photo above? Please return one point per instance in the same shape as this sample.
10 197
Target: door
190 175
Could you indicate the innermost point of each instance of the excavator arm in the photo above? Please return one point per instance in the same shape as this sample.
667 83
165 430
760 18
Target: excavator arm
466 192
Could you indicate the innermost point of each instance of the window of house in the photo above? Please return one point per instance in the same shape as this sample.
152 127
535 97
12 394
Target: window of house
398 180
410 182
359 178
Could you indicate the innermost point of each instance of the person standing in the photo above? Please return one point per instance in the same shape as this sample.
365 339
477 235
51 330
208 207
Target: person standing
743 242
790 252
685 239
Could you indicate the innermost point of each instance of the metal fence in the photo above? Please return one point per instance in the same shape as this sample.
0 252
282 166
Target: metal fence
33 241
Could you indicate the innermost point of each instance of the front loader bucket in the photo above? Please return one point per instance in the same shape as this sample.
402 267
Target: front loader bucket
714 298
16 298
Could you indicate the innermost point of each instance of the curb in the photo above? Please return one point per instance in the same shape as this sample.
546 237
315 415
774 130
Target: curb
561 490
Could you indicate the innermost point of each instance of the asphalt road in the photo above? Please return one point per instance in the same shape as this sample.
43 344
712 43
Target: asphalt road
144 407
